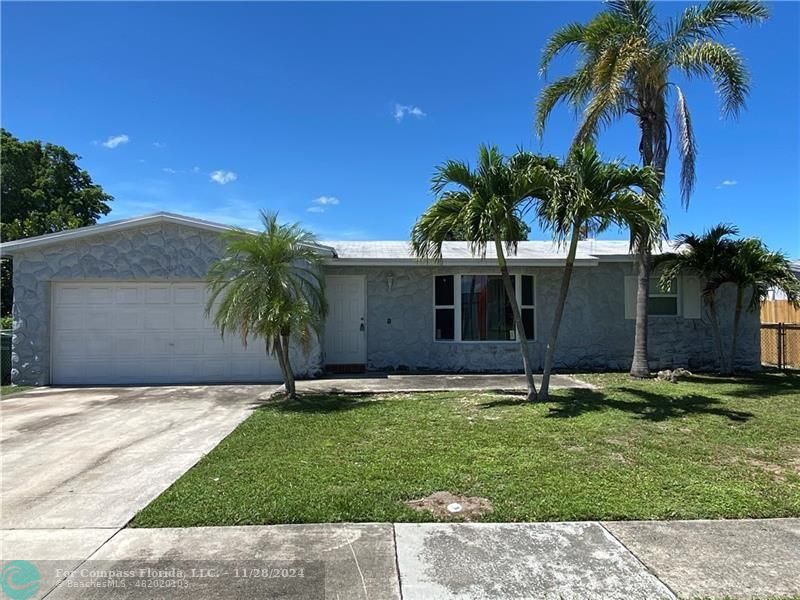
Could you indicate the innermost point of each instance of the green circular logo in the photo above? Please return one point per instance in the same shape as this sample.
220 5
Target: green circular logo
20 579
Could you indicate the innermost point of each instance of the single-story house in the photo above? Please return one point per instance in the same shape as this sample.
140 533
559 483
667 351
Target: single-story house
123 303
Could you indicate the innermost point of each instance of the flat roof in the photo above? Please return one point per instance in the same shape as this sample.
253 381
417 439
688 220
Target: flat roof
355 252
528 253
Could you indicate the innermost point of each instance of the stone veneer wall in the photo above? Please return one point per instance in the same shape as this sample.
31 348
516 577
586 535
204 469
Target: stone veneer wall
594 334
156 252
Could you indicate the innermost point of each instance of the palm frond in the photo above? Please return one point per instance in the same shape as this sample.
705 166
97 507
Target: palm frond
452 172
438 224
723 65
592 194
573 89
638 12
708 256
687 147
605 107
611 95
569 35
698 23
267 283
754 266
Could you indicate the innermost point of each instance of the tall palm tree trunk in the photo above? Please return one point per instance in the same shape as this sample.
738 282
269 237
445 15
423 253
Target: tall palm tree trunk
737 315
523 340
288 377
712 309
290 383
640 366
566 278
653 149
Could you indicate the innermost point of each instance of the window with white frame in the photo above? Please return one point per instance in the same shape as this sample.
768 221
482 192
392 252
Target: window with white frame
475 308
660 302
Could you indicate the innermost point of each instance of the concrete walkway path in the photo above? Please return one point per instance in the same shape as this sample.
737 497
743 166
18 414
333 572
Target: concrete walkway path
427 561
423 382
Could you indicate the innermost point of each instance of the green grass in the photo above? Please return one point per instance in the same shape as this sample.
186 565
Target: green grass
704 448
7 390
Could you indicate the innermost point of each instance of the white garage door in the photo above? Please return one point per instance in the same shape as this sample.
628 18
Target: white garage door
126 333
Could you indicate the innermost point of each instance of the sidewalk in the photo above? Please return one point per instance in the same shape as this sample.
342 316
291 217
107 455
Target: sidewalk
377 383
408 561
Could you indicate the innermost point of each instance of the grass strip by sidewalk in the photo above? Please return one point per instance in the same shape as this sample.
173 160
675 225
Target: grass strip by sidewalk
704 448
7 390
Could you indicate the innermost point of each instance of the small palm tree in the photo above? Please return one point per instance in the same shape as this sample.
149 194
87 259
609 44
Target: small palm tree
595 195
709 257
754 267
626 63
487 207
269 285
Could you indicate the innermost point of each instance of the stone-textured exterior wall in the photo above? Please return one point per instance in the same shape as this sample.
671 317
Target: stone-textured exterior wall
155 252
594 333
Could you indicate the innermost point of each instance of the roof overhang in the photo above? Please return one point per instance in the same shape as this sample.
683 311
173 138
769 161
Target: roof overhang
459 262
13 247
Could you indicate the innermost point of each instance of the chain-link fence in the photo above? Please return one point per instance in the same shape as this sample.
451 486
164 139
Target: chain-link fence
780 345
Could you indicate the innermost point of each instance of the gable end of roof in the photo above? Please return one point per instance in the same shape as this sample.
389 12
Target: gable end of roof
12 247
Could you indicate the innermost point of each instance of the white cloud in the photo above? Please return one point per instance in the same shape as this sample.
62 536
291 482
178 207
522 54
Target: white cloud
115 140
168 170
727 183
195 169
405 110
159 145
320 204
223 177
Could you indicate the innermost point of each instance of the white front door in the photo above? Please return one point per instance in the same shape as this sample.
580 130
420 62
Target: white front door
346 326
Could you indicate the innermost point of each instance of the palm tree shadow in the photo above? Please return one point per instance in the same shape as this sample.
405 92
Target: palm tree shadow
648 406
322 403
759 385
508 398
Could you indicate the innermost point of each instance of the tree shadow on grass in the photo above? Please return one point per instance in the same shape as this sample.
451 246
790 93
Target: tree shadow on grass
508 399
322 403
648 406
753 386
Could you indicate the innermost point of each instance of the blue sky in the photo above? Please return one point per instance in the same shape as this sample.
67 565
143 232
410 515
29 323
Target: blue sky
336 114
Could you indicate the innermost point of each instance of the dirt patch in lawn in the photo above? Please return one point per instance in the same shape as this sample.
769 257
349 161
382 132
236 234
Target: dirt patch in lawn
447 506
778 471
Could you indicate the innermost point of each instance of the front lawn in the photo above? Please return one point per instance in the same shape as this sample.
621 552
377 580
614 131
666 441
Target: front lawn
704 448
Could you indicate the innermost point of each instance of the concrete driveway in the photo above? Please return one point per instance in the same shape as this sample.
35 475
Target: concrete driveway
93 457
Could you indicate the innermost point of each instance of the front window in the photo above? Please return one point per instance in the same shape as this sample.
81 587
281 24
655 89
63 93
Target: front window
662 303
445 307
481 312
485 310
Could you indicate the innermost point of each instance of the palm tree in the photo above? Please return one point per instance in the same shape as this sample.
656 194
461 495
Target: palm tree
754 267
594 196
709 257
626 63
268 285
487 207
